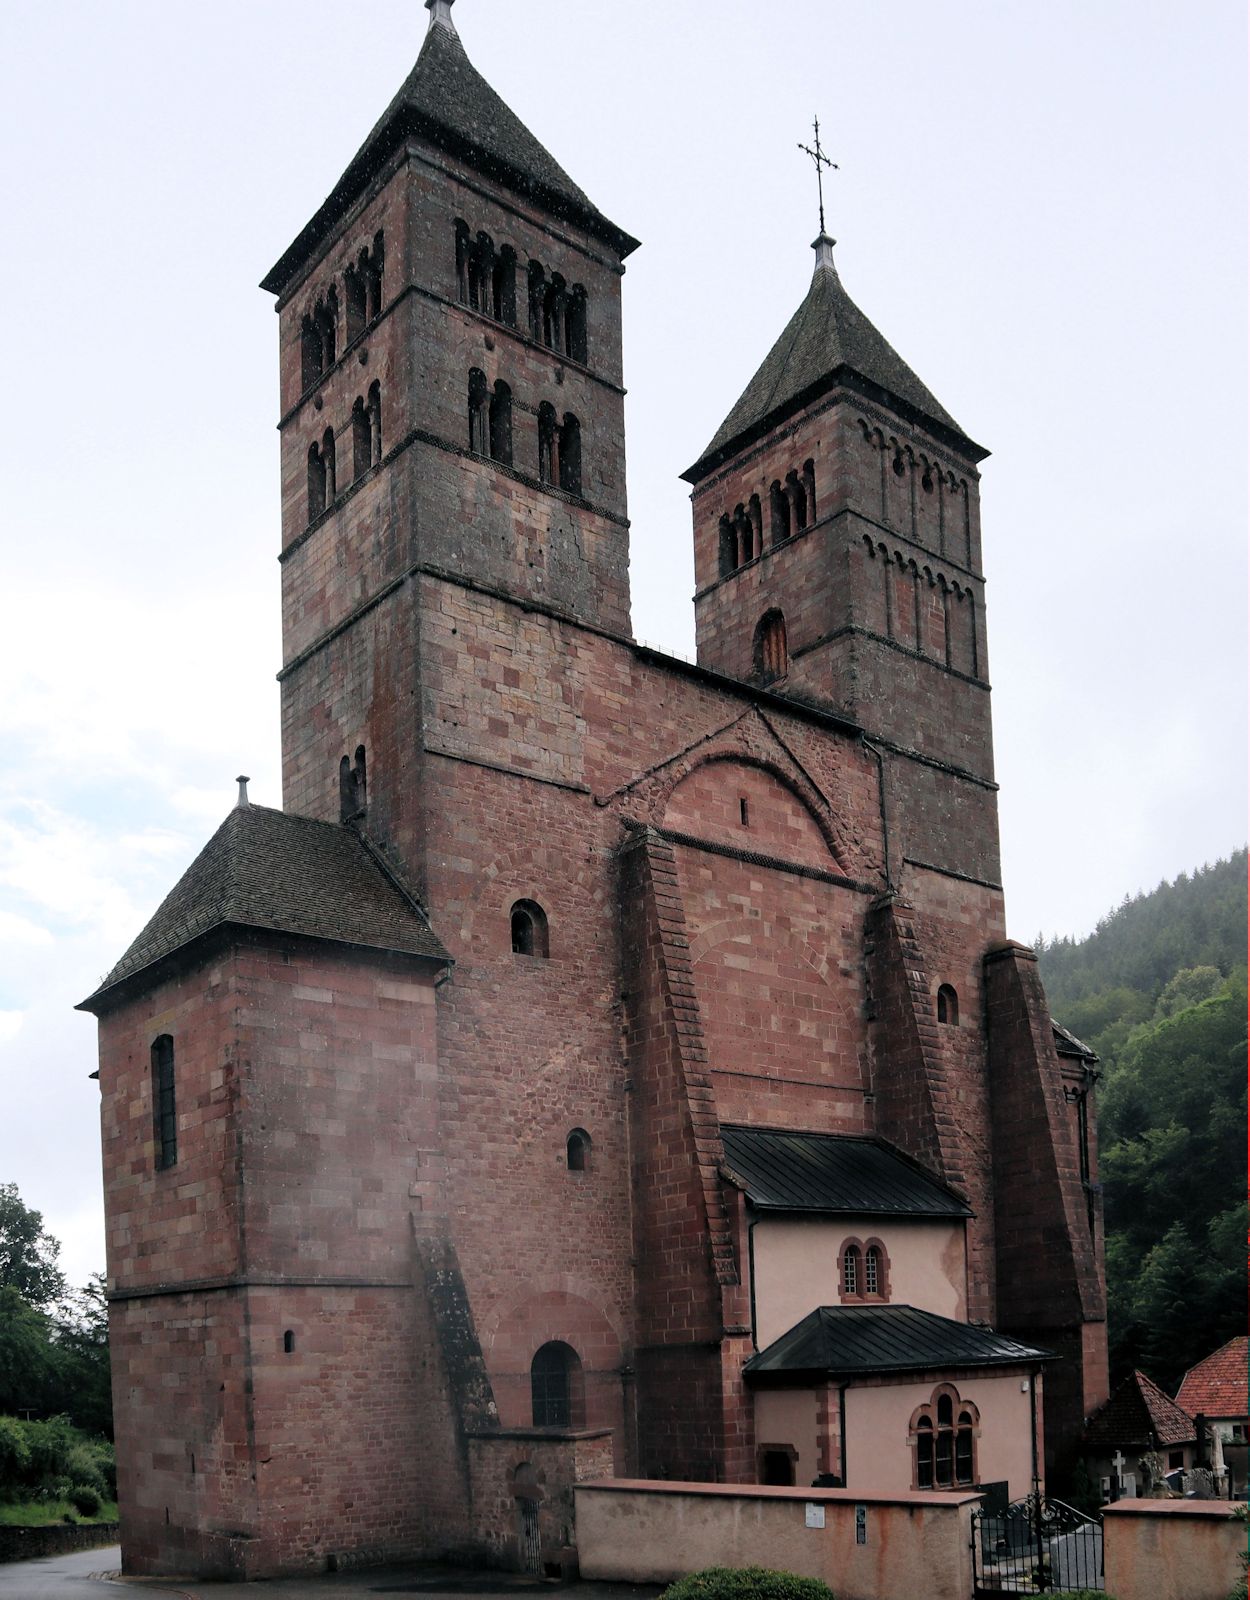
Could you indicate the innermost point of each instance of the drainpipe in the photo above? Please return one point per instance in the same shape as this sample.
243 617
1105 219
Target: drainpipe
751 1271
842 1433
1033 1377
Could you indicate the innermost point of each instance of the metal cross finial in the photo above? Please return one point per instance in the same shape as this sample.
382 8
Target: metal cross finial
820 159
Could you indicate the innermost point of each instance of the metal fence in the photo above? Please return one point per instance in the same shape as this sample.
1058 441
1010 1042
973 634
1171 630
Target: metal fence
1035 1546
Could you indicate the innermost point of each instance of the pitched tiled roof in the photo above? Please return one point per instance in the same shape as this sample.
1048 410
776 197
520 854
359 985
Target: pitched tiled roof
850 1339
1138 1413
827 338
1220 1385
445 100
833 1173
268 869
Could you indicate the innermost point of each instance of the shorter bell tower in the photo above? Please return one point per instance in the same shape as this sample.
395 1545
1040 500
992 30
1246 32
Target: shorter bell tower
837 537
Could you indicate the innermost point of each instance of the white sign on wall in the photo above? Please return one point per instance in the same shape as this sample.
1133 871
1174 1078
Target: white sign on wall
815 1515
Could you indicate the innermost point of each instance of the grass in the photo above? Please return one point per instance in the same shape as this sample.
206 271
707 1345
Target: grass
44 1513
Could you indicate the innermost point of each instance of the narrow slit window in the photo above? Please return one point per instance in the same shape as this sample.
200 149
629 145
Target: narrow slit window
501 423
571 455
577 1150
947 1005
529 930
164 1104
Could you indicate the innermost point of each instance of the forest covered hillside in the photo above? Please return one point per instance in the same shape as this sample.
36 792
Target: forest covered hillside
1159 991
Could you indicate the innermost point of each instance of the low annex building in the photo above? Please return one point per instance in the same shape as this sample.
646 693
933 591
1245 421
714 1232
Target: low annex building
602 1063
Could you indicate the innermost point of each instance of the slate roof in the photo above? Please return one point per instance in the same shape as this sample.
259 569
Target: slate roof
269 869
821 1172
1067 1044
445 100
826 339
863 1339
1138 1413
1220 1385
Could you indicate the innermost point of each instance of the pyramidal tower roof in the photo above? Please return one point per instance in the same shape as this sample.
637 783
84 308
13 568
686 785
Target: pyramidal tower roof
446 101
827 341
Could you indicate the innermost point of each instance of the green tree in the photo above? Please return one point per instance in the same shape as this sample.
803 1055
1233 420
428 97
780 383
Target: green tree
27 1253
81 1357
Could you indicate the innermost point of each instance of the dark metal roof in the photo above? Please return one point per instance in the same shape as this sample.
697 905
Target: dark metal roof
1067 1044
445 100
269 869
851 1339
827 337
824 1172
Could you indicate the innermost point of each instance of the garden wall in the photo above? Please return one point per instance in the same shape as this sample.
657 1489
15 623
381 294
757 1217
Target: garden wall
56 1539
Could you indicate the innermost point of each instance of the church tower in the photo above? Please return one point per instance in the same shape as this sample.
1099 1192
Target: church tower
838 558
451 405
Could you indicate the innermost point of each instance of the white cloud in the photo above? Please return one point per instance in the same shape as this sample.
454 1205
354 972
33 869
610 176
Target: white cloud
10 1025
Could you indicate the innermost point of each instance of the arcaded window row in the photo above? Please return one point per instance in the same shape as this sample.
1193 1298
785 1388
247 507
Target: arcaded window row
791 508
366 433
486 278
320 330
490 433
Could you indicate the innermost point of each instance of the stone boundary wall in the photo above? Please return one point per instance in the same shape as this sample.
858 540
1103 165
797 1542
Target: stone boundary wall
1171 1549
57 1539
645 1531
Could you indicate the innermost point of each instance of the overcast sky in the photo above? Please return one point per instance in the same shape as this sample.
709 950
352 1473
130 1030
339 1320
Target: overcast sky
1042 208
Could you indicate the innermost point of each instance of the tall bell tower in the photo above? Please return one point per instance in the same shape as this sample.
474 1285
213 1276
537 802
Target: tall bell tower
451 405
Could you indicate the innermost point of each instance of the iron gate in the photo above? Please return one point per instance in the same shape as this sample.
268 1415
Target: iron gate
1035 1546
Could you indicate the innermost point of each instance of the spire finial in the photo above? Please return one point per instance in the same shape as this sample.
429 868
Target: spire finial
242 780
440 14
820 160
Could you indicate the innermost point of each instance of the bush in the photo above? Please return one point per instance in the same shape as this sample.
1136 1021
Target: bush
85 1467
747 1583
14 1458
85 1500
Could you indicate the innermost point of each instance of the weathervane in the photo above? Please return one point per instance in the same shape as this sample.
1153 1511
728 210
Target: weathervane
820 159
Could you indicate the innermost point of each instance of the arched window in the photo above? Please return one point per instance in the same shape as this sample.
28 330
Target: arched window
796 494
361 443
373 266
325 318
571 454
865 1268
809 483
288 1342
575 324
316 483
164 1106
771 657
577 1150
746 535
547 463
352 786
779 512
374 408
357 302
481 273
553 313
947 1005
536 283
529 930
944 1434
327 457
556 1387
479 430
503 287
462 260
501 423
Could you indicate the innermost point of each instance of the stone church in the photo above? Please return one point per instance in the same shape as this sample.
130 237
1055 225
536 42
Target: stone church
603 1064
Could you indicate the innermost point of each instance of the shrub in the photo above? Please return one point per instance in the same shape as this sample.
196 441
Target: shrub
85 1500
85 1467
14 1458
746 1583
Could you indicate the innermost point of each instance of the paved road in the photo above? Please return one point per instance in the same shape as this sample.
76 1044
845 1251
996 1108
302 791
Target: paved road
94 1575
78 1576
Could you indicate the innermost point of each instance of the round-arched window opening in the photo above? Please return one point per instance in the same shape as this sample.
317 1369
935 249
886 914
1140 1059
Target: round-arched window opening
577 1150
557 1390
288 1342
529 930
899 467
947 1005
772 658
